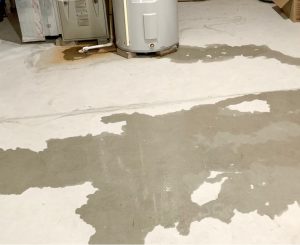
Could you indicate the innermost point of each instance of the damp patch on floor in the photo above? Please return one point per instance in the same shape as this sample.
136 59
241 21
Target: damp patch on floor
223 52
60 55
186 54
147 174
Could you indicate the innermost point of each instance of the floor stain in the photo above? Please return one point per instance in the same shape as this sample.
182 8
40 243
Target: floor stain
146 176
72 54
185 54
65 55
222 52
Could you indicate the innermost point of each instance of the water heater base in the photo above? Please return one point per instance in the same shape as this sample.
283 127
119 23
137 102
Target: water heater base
129 55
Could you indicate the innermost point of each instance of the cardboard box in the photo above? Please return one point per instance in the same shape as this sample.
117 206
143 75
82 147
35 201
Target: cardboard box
291 8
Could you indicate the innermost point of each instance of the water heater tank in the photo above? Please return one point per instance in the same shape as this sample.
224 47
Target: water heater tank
144 26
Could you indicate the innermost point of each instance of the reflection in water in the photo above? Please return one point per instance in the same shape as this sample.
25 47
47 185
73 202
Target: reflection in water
257 153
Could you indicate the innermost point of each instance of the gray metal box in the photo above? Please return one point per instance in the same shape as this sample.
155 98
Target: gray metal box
38 18
83 19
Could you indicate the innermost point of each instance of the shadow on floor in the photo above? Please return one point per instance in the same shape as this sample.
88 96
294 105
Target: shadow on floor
10 29
280 13
222 52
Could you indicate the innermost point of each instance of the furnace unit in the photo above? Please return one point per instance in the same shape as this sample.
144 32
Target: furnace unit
83 20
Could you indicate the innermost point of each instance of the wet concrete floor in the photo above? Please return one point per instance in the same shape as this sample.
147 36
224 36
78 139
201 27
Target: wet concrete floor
185 54
257 152
222 52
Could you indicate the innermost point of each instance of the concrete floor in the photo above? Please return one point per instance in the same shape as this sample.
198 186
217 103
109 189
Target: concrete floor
201 146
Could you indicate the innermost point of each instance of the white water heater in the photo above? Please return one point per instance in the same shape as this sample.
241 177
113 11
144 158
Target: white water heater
144 26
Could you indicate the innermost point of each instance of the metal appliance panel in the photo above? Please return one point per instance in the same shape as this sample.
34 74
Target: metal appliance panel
30 18
38 18
83 19
50 16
